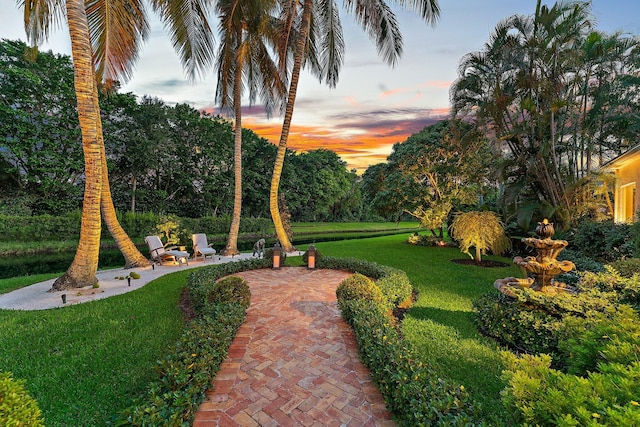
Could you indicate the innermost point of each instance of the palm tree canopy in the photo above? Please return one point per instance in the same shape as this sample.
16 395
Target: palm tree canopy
118 27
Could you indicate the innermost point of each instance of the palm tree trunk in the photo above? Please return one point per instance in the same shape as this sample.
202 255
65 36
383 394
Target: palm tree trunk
286 126
132 256
232 241
82 271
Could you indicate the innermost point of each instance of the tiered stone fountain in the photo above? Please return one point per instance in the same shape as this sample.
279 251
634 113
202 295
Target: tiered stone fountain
541 269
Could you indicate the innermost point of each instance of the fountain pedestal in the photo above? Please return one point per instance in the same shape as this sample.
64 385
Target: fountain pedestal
541 269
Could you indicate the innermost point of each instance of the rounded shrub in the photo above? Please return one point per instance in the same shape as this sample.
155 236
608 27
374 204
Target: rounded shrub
17 408
397 289
357 287
230 290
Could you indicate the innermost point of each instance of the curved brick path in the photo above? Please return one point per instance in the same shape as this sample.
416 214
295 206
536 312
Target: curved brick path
294 362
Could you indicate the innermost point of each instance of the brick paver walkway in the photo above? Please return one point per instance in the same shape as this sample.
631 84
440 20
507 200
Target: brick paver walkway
294 361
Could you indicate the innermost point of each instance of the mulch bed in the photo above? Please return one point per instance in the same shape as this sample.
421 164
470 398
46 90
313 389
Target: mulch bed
488 263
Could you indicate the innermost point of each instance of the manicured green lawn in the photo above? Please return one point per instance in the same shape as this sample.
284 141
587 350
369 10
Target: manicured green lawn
441 324
84 363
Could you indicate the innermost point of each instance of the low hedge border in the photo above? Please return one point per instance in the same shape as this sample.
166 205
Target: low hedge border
393 283
412 392
189 368
192 365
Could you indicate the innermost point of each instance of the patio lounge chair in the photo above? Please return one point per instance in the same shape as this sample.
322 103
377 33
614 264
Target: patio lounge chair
201 247
160 254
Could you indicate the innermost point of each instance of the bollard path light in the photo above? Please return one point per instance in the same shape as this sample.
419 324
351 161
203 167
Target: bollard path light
311 257
277 253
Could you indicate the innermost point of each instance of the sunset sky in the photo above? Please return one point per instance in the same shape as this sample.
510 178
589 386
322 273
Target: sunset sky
373 105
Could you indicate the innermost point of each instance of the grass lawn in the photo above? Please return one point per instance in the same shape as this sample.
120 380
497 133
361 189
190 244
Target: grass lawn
86 362
441 324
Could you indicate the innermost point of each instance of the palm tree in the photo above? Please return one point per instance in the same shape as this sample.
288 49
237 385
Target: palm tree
538 88
245 26
312 33
105 38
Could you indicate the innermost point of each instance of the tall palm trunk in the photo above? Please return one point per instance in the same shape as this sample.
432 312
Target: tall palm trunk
82 271
232 242
286 126
132 256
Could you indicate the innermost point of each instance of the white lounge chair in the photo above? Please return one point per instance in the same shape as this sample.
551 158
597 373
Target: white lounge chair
201 247
161 254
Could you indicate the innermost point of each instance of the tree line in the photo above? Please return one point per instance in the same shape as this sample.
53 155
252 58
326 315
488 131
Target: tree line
161 158
264 46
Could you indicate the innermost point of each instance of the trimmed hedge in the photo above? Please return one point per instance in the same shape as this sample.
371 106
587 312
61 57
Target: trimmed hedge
230 289
393 283
189 368
414 395
47 227
358 287
17 408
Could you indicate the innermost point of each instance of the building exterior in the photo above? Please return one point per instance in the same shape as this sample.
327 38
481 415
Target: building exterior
627 170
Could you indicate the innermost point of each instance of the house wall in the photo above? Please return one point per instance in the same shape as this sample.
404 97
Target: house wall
627 199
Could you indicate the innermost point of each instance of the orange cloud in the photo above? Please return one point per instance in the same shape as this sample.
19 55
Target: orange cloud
361 139
359 142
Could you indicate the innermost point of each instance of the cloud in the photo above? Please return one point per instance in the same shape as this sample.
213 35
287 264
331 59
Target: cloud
361 139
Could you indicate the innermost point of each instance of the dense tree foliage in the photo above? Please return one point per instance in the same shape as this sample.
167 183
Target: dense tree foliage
442 167
40 150
161 158
559 98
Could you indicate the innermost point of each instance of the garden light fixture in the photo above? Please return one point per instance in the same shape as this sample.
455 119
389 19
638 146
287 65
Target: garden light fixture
277 252
311 257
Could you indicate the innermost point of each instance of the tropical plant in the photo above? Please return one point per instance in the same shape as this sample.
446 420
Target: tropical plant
549 91
312 34
247 34
483 231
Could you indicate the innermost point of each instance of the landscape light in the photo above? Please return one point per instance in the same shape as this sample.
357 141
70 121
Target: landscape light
311 257
276 256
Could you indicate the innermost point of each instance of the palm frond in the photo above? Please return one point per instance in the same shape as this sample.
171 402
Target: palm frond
190 33
117 28
40 17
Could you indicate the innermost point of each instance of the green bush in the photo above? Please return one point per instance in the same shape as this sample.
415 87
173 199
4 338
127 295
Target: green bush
412 392
625 290
17 408
603 241
423 240
519 326
230 290
585 343
358 287
626 267
532 321
396 288
393 283
201 281
541 396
